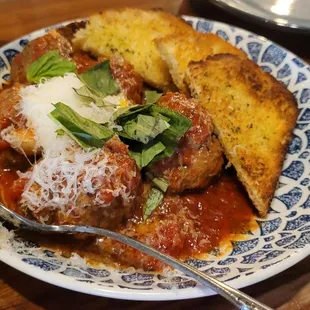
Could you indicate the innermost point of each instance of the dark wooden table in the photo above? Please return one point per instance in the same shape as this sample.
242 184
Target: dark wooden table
286 291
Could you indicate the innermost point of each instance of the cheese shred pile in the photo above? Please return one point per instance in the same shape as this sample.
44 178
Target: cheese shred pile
66 173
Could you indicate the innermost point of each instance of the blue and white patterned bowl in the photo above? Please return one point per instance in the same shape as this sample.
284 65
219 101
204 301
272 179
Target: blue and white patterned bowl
281 241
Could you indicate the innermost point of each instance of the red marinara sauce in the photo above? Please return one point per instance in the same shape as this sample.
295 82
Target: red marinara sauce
183 226
186 226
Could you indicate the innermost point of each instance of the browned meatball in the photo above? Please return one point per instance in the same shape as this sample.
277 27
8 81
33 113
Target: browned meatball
106 198
13 131
129 81
9 99
35 49
199 156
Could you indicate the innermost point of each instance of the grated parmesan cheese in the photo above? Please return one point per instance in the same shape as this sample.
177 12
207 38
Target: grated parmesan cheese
66 172
63 176
12 139
37 102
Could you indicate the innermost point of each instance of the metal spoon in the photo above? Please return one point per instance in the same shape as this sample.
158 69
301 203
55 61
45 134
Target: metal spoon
236 297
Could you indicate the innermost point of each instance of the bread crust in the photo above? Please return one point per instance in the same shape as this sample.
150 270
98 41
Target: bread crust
254 116
178 50
130 33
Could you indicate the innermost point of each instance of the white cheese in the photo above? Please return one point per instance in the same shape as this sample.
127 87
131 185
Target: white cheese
61 177
37 102
66 171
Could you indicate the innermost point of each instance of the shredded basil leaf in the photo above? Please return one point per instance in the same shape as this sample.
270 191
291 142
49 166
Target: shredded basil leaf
122 115
60 132
156 114
49 65
160 183
85 124
152 96
146 154
179 125
85 132
68 128
145 128
85 93
154 131
155 198
149 124
89 96
99 79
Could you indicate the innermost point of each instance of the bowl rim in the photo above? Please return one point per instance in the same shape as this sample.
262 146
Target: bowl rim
294 256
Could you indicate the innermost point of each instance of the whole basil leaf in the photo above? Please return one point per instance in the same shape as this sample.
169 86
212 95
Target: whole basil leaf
84 131
49 65
99 79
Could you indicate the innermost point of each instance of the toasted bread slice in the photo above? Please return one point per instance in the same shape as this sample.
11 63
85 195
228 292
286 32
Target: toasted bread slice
254 116
130 33
178 50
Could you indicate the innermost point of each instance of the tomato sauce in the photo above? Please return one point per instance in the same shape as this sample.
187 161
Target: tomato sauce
187 226
217 212
184 226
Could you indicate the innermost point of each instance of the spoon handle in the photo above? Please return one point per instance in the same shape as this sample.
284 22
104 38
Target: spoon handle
236 297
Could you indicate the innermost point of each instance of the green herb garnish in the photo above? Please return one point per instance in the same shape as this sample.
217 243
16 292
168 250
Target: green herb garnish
85 132
89 96
152 96
160 183
179 125
99 80
155 198
145 154
122 115
49 65
60 132
156 130
145 128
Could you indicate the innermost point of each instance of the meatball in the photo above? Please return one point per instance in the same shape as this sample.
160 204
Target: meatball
168 233
198 158
9 99
13 131
99 188
130 82
35 49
